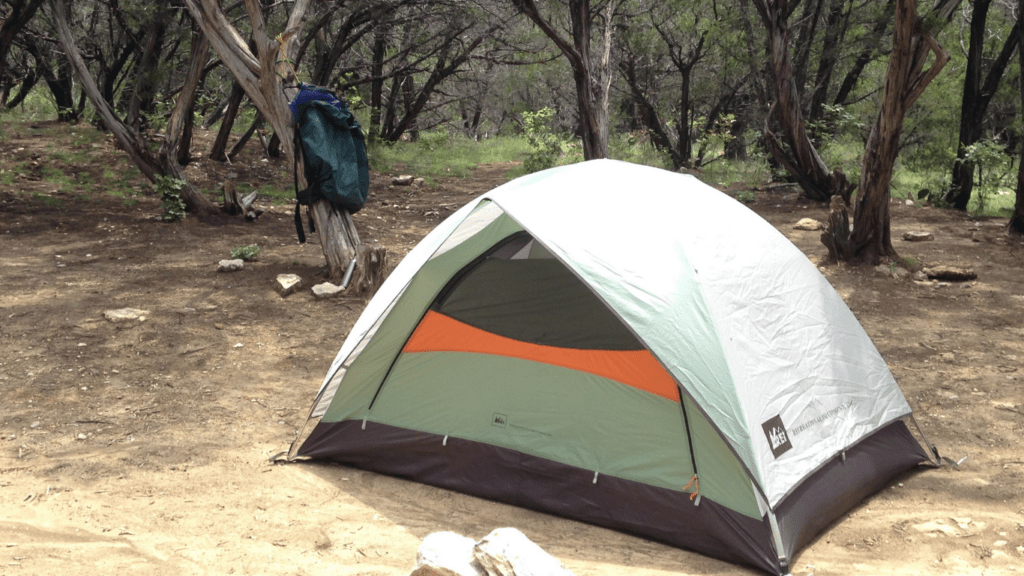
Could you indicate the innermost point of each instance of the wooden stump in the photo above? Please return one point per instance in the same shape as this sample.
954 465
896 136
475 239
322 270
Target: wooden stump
235 203
836 236
371 268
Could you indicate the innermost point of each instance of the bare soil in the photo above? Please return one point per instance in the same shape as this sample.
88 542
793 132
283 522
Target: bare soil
145 446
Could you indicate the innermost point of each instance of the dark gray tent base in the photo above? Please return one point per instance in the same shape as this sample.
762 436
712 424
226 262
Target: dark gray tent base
659 514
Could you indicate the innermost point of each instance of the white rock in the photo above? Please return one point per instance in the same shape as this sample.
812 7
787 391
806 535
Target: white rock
508 552
230 265
883 270
446 554
403 180
918 236
808 224
326 290
288 283
125 315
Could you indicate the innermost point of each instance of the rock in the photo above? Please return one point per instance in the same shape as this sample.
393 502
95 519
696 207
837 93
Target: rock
230 265
288 283
403 180
950 273
933 529
418 182
125 315
900 273
920 276
883 270
446 554
918 236
809 224
326 290
508 552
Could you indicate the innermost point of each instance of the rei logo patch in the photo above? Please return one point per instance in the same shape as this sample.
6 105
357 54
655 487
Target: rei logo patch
499 420
777 436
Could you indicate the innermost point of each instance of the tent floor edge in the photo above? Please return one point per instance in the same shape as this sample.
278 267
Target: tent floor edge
519 479
842 484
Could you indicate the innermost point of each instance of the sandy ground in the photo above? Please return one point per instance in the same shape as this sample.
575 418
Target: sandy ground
144 447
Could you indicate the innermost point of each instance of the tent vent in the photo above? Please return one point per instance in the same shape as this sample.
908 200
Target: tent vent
595 477
364 424
445 441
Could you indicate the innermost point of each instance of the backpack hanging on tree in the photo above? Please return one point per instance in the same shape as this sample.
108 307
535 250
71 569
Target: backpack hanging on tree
333 150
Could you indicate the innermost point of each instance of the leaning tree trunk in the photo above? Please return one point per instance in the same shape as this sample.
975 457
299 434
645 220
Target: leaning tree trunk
129 139
260 75
803 161
905 81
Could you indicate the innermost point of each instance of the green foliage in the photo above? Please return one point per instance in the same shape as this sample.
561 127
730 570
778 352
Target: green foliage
171 202
746 196
636 147
457 157
247 253
546 147
994 172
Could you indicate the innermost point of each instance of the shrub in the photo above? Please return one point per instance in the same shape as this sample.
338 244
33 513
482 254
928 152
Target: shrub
173 205
247 253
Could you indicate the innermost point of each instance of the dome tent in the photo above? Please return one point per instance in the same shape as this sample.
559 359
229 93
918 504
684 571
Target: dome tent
591 341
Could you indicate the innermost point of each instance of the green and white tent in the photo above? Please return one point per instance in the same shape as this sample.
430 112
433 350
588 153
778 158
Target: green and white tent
628 347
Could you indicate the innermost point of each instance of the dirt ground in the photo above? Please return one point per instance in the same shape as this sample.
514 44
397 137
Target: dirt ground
144 447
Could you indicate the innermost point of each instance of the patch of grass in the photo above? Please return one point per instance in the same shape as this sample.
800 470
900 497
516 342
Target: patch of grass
55 176
752 171
7 178
439 154
45 199
636 147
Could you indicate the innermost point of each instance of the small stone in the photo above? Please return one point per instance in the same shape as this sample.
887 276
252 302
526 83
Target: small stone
230 265
82 436
403 180
326 290
883 271
288 283
125 315
900 273
920 276
418 182
918 236
809 224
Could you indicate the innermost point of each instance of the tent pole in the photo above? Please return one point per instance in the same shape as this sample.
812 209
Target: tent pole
780 549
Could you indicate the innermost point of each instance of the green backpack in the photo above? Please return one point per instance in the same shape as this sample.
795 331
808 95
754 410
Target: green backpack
333 150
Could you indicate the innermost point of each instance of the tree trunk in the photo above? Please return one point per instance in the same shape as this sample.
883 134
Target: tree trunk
802 161
1016 224
227 123
592 86
905 81
21 13
975 100
131 141
260 75
171 149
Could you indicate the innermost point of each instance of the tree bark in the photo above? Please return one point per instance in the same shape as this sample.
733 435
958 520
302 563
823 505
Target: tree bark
260 75
905 81
802 160
975 100
1016 223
